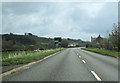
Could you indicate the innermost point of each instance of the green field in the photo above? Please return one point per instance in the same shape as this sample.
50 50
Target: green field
23 57
45 43
103 51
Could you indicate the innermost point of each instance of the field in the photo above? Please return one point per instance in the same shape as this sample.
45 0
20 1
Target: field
104 51
23 57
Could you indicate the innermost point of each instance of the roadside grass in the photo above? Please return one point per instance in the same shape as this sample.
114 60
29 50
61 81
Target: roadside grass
30 57
11 54
13 72
45 43
104 51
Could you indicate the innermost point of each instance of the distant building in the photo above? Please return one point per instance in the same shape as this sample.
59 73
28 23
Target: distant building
72 44
92 39
98 39
95 42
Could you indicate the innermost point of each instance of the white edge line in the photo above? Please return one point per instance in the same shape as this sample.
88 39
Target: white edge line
96 76
83 61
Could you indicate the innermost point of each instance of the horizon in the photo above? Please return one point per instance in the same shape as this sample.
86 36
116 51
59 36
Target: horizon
37 36
51 37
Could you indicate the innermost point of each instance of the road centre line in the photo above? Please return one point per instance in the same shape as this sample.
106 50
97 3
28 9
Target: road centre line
83 61
96 76
79 56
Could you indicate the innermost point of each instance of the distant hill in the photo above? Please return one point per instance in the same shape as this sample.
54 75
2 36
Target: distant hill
13 42
24 42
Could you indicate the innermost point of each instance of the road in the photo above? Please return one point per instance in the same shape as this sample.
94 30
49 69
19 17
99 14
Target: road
73 64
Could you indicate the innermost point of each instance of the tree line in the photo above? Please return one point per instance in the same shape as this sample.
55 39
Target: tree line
14 42
111 42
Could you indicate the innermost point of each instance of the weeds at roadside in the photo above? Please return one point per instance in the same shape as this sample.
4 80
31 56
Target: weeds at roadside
29 58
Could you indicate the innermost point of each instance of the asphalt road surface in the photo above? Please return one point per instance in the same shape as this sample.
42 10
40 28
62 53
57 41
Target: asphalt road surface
73 64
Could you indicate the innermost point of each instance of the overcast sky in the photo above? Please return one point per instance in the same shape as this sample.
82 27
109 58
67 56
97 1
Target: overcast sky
77 20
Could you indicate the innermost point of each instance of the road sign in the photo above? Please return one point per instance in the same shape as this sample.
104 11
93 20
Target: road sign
57 41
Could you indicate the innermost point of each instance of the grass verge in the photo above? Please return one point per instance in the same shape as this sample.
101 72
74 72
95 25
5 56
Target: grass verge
104 51
29 58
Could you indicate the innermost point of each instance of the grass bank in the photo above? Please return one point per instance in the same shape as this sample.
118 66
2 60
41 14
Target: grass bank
104 51
27 58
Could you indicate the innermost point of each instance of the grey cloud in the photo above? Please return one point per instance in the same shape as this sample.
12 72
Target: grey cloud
19 8
75 20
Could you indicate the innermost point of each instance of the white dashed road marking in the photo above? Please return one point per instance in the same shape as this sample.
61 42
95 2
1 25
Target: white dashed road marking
83 61
96 76
79 56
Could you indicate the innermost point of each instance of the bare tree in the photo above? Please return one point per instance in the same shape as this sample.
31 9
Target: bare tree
64 43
